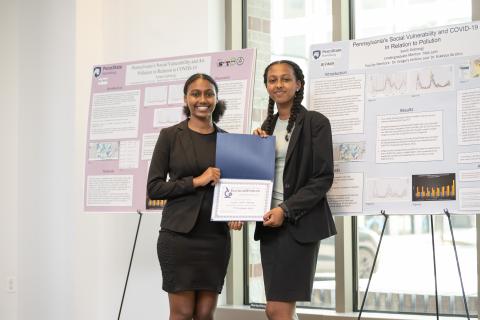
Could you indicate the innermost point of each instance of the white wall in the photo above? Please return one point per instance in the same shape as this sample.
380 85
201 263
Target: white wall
117 31
8 160
46 100
72 265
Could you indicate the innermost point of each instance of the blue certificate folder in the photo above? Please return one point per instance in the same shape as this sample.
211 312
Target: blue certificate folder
245 156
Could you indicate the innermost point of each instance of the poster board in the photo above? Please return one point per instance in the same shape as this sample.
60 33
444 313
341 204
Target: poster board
131 102
405 116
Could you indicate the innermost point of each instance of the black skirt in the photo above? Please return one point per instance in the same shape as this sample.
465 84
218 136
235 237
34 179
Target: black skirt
197 260
288 266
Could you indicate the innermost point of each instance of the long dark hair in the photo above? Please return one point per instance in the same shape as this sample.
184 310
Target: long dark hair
220 107
297 100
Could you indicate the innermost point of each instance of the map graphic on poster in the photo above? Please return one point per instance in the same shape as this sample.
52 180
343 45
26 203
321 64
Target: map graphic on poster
131 102
405 116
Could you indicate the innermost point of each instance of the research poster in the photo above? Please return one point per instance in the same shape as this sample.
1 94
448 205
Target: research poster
405 116
131 102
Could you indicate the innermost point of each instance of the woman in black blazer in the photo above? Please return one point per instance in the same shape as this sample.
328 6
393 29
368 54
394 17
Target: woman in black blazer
300 216
193 251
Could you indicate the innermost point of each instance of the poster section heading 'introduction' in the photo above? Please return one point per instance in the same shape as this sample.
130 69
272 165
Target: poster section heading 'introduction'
405 116
131 102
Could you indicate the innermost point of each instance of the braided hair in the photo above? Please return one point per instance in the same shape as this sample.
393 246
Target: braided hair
220 107
297 100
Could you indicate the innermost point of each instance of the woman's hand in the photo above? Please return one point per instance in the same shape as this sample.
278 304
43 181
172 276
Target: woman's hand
274 218
260 132
235 225
211 175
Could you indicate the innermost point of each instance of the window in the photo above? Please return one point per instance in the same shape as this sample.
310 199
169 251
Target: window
285 29
377 17
294 9
271 31
403 278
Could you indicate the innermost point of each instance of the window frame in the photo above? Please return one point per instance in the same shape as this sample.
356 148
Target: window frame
346 279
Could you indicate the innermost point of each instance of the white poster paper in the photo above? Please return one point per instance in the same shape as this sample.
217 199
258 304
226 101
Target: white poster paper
109 190
409 137
405 112
115 115
346 193
341 99
129 154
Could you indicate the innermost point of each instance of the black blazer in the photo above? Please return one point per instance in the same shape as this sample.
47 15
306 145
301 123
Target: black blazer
174 155
307 177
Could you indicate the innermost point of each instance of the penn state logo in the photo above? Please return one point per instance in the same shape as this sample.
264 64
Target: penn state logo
317 54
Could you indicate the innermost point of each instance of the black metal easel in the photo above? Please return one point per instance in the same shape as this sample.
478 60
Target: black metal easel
434 264
458 263
374 262
130 265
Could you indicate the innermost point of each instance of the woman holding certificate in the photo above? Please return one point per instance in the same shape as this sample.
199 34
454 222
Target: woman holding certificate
300 216
193 251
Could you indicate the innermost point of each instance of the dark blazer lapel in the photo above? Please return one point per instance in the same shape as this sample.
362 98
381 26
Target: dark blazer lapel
187 145
295 134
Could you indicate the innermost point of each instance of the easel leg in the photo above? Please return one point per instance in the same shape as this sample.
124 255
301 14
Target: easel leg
130 265
434 264
373 266
458 263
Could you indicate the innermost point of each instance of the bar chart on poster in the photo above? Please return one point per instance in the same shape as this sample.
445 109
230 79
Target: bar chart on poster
405 116
131 102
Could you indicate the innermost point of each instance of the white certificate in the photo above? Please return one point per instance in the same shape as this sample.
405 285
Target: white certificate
241 199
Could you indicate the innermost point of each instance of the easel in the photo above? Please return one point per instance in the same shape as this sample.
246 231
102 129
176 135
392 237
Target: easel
130 265
445 211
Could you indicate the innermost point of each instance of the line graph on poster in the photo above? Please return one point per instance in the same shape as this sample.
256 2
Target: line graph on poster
388 189
431 79
387 84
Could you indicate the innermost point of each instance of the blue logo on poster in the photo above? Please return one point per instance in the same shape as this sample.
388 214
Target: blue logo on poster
317 54
97 71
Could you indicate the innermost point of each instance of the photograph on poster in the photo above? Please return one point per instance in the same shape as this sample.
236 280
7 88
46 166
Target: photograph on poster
349 151
103 151
475 68
470 69
433 187
154 204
